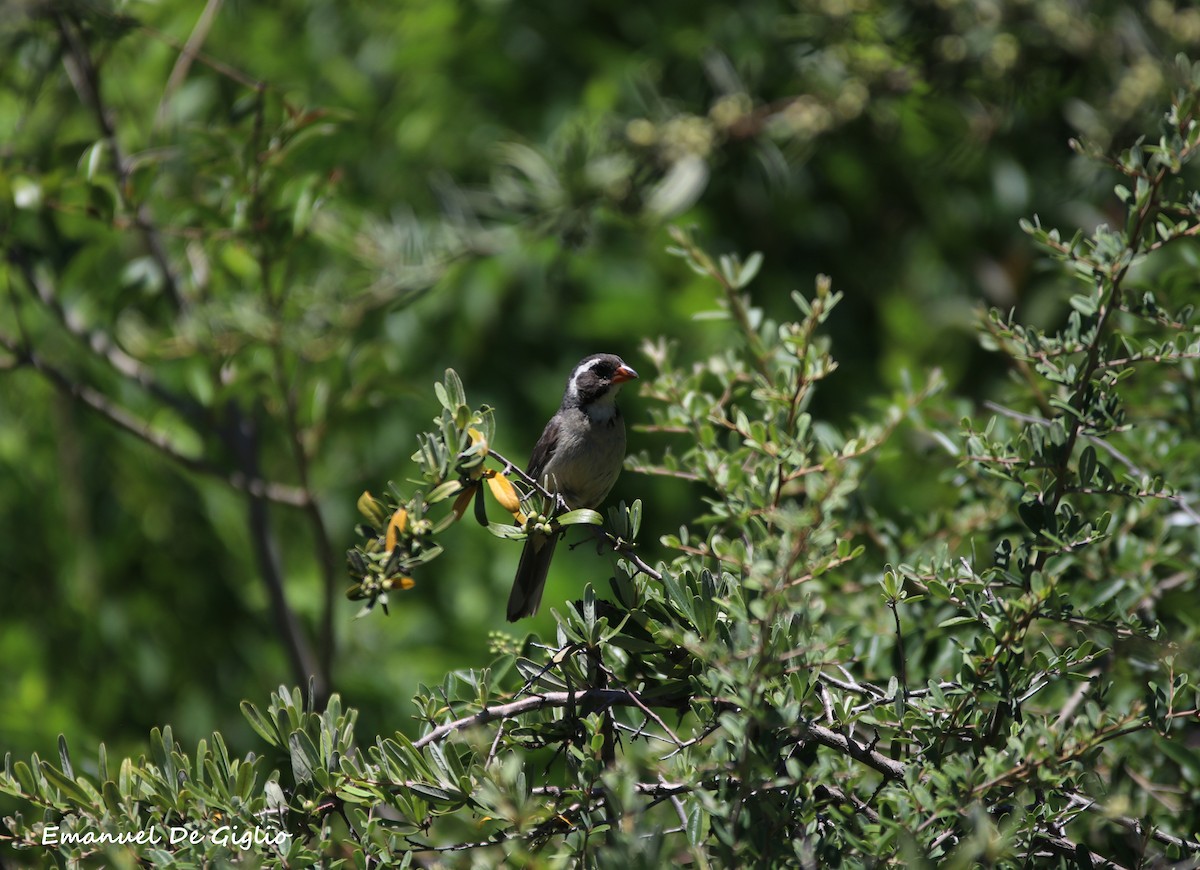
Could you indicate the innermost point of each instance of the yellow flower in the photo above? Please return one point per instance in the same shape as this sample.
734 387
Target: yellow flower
464 499
395 528
505 494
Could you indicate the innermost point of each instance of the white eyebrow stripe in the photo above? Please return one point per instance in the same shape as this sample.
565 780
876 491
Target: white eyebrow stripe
588 366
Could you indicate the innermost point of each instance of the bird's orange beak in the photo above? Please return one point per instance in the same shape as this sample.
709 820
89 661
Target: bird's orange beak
623 374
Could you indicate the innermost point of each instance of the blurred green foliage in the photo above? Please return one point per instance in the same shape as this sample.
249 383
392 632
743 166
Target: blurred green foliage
290 220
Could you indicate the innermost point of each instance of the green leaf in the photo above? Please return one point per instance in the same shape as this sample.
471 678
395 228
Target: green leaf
1087 465
1033 515
261 725
957 620
444 491
1086 305
112 798
303 755
634 644
454 388
749 269
64 783
624 589
64 756
582 516
432 792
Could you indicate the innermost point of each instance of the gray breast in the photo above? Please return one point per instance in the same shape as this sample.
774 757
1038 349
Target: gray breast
587 459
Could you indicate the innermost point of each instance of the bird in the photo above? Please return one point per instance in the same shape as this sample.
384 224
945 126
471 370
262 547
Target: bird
578 457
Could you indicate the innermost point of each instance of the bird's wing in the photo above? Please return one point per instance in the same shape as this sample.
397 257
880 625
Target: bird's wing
543 451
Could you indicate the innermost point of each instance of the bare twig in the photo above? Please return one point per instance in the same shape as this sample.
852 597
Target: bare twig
676 803
657 719
707 732
662 471
1083 802
625 549
826 701
599 699
1073 702
1073 850
837 795
511 467
900 649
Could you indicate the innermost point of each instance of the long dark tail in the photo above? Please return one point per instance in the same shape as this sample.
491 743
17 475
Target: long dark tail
527 588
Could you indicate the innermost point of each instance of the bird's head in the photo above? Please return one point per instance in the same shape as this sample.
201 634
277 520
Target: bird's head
598 379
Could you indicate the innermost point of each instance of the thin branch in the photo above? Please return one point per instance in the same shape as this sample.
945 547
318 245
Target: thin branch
676 803
707 732
511 467
639 732
1088 804
495 746
100 343
657 719
123 419
242 437
188 54
418 846
86 81
1066 755
600 699
826 701
320 533
838 796
836 562
625 548
851 748
1122 362
1072 704
1071 849
663 471
1112 451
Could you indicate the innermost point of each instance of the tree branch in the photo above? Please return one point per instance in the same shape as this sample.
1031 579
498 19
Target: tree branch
624 548
1071 849
320 533
86 81
1178 500
188 54
242 437
598 699
595 698
99 343
1128 822
123 419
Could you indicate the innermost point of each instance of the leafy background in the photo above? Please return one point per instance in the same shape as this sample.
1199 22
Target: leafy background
486 186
